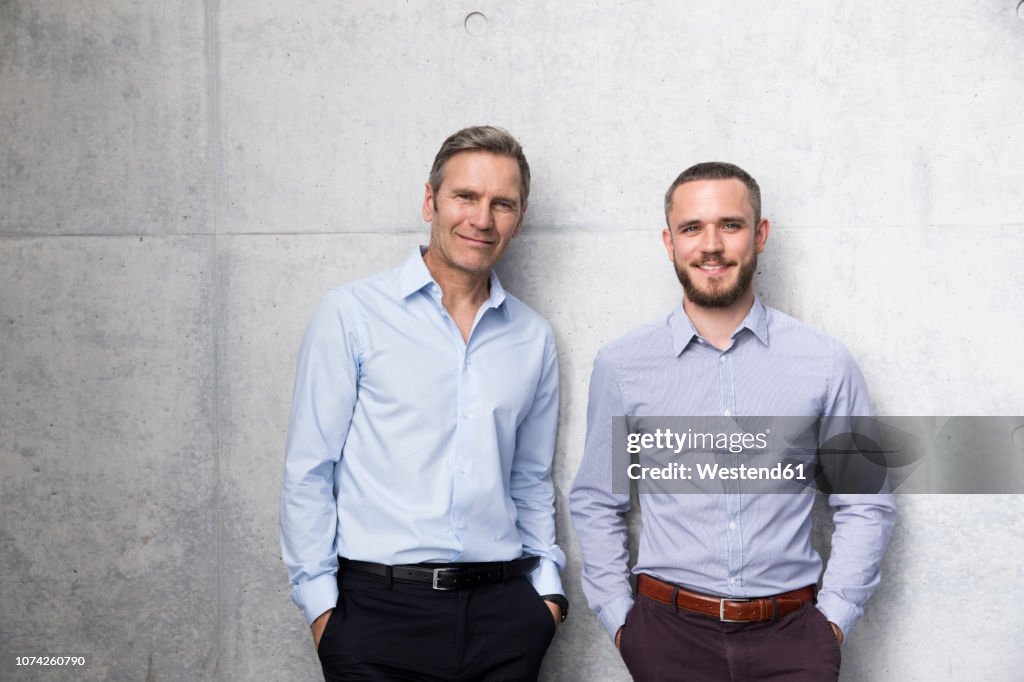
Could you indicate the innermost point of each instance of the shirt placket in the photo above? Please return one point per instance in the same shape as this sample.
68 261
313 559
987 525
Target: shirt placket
733 498
457 462
461 462
462 454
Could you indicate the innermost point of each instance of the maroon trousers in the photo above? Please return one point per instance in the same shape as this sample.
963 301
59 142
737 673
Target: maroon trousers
662 643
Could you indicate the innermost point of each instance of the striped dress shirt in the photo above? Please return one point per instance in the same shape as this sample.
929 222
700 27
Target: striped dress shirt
729 545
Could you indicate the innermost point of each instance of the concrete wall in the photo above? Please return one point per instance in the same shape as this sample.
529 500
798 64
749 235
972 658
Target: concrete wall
181 181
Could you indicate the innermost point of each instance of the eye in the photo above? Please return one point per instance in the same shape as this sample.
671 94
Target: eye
732 226
689 229
504 205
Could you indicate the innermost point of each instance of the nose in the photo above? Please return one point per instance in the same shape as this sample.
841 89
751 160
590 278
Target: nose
711 240
481 217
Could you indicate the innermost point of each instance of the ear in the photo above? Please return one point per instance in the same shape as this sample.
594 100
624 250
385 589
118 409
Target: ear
666 238
761 234
428 203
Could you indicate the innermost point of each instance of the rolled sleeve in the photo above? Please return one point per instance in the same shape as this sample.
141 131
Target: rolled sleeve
322 404
317 595
863 522
597 512
546 579
613 614
530 485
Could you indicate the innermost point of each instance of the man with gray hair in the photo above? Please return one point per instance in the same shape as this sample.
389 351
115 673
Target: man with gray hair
725 580
417 512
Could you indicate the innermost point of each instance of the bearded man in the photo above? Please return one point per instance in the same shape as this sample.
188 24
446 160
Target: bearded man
726 583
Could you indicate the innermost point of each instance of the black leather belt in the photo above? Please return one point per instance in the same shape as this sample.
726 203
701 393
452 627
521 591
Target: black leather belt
444 576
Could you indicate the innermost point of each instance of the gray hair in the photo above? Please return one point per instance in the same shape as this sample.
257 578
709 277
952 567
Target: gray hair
482 139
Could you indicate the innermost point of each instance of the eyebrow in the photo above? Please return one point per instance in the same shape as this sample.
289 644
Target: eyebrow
514 201
723 219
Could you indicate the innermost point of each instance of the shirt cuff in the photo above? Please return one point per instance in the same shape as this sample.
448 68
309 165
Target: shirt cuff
613 614
838 611
545 578
316 596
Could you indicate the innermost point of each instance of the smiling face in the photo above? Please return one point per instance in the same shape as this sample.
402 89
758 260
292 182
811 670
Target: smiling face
713 242
474 214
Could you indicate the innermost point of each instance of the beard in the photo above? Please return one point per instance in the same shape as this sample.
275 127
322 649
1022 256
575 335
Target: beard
718 295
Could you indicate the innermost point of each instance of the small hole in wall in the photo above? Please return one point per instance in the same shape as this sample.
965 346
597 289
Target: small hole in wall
476 24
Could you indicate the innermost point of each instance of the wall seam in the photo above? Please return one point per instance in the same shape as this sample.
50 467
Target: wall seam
215 160
535 231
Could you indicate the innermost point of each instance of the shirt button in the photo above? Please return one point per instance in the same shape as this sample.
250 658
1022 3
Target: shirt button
468 362
732 525
721 358
727 413
700 340
732 581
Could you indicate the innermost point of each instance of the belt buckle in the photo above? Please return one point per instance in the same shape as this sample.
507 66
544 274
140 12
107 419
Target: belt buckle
721 611
438 572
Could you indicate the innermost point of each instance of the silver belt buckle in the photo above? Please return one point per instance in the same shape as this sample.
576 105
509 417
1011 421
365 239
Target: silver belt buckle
437 575
721 611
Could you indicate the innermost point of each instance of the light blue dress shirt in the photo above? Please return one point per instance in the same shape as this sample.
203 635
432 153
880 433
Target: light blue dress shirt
408 445
731 545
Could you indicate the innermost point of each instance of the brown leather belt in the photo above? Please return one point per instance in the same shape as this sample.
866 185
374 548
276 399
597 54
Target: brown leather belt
725 610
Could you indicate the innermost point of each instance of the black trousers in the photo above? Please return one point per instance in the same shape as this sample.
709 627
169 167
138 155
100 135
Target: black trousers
663 644
398 631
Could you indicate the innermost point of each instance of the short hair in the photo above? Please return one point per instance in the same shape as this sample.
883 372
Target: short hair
717 170
482 139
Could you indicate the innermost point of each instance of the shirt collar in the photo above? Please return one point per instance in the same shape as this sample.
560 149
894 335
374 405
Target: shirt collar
415 276
756 321
683 331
